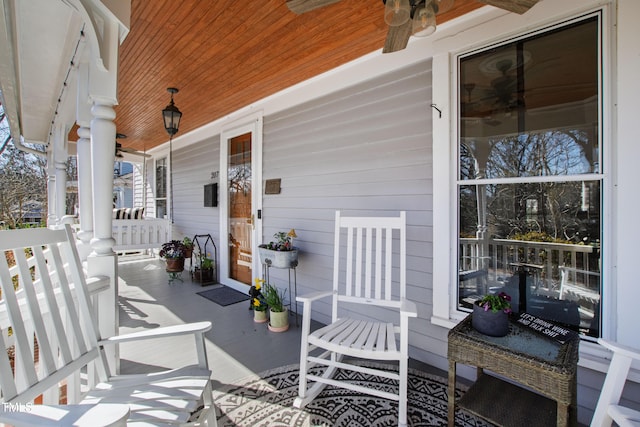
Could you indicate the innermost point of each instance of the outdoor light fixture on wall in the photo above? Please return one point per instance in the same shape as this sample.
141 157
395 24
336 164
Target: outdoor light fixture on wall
171 116
421 12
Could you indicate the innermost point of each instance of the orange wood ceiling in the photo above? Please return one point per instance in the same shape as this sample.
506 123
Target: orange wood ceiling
223 55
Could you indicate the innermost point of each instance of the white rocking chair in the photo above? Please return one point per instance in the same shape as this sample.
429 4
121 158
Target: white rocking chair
46 301
608 408
370 312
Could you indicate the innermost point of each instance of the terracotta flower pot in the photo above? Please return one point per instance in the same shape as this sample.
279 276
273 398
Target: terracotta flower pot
490 323
175 265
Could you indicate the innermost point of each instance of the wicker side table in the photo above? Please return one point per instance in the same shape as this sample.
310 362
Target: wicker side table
531 360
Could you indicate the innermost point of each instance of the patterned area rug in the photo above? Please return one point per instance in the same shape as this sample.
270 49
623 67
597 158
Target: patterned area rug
267 400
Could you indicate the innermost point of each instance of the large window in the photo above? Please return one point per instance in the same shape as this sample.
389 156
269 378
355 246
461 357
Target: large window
529 179
161 188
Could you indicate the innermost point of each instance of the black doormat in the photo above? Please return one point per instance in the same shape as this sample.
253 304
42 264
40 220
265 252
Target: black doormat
224 296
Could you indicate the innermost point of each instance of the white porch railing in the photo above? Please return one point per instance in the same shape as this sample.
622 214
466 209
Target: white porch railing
498 256
140 234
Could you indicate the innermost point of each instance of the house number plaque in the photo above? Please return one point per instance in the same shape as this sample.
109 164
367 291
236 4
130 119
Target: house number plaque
272 186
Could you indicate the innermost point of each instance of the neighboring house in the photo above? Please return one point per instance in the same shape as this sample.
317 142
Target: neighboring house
509 140
123 185
30 213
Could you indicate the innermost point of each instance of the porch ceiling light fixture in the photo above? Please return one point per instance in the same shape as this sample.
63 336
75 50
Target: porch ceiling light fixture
421 12
171 116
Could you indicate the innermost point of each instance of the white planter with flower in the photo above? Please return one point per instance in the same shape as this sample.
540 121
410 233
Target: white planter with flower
281 253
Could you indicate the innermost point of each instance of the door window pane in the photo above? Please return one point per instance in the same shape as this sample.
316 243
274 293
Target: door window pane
240 224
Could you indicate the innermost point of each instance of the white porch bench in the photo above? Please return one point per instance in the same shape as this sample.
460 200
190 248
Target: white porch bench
53 354
140 234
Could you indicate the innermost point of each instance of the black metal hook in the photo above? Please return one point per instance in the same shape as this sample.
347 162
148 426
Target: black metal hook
437 109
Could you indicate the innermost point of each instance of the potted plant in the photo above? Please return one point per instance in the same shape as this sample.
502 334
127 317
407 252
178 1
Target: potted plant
258 303
188 245
491 314
280 253
173 252
204 272
278 313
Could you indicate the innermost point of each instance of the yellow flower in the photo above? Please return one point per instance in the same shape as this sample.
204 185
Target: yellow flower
256 302
259 283
292 233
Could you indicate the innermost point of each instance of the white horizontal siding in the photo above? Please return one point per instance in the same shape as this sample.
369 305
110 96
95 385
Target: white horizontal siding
364 150
193 166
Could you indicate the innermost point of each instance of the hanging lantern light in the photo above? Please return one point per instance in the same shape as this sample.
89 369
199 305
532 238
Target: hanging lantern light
171 115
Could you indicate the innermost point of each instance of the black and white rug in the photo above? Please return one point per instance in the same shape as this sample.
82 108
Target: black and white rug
267 400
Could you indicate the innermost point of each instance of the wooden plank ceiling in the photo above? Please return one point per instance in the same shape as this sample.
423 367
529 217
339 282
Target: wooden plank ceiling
223 55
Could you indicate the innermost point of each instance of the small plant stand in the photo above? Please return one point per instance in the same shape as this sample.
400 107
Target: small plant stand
292 304
205 244
174 275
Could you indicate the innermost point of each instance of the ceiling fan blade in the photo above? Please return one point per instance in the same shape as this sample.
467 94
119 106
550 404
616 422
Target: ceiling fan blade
516 6
397 37
302 6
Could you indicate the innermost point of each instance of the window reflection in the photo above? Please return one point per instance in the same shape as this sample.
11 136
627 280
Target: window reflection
529 170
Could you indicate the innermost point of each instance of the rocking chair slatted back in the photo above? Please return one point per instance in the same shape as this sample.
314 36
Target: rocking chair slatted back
44 302
374 251
372 271
49 332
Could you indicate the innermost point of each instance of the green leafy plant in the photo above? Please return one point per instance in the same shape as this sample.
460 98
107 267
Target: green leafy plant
206 263
274 298
174 249
496 303
284 241
187 242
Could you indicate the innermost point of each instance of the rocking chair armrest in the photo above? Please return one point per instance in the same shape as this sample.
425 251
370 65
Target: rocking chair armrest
165 331
314 296
408 308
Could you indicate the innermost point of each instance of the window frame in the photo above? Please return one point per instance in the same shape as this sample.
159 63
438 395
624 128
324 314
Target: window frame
166 183
445 173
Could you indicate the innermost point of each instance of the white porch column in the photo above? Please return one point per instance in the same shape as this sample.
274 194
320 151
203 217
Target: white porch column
60 158
51 189
103 145
106 26
85 180
85 191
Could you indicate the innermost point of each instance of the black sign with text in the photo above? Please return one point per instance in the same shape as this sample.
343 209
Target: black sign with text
544 327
